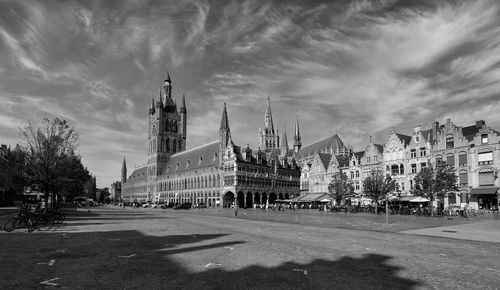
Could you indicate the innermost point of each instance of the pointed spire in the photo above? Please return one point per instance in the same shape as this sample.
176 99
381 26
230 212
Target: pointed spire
124 170
224 124
284 139
183 106
168 78
269 117
297 144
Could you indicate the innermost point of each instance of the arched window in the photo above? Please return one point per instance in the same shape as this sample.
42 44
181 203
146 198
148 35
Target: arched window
484 138
174 146
401 169
168 144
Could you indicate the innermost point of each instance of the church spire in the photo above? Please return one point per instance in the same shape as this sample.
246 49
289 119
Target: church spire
284 139
224 134
124 171
296 138
269 117
183 106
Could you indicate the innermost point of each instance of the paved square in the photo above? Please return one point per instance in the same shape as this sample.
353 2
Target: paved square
114 248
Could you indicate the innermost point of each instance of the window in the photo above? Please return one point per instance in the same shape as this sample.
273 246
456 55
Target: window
449 142
423 152
486 178
485 158
484 138
463 179
462 159
450 160
394 169
357 174
354 163
357 185
413 153
423 165
417 139
414 168
352 174
402 186
411 184
368 160
401 169
374 158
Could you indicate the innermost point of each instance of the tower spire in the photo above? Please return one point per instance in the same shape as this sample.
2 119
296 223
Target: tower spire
224 134
183 106
284 139
124 171
269 117
296 138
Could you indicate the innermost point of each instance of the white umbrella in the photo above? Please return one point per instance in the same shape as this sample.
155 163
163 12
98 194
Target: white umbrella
420 199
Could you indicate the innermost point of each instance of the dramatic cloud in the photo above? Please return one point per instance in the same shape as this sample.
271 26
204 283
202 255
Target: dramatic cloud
356 68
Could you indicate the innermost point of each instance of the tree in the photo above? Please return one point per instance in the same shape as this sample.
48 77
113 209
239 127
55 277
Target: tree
72 177
339 187
47 146
431 181
377 186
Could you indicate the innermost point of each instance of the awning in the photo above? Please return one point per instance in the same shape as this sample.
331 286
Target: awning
484 190
420 199
313 197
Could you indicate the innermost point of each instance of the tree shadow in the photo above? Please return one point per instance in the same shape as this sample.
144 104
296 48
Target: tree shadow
132 260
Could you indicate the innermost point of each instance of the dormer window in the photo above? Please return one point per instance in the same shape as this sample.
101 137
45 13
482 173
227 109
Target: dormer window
417 139
484 139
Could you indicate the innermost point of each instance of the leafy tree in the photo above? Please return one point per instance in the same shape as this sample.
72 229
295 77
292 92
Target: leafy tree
432 182
339 187
72 177
47 146
377 186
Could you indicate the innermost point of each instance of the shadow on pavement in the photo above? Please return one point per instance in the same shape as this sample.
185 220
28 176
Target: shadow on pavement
131 260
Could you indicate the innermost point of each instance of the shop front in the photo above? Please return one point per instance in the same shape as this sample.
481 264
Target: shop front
484 198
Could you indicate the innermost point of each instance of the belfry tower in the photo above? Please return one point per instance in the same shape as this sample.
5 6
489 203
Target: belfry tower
268 137
167 129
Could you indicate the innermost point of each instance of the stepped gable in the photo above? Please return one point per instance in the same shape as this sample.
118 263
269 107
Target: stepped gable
323 145
138 175
194 158
325 159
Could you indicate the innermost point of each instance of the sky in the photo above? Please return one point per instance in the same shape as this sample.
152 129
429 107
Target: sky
353 68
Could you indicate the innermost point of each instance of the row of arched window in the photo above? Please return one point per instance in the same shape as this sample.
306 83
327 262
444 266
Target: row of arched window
189 183
166 145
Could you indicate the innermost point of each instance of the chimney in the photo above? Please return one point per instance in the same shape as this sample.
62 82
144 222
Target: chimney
480 124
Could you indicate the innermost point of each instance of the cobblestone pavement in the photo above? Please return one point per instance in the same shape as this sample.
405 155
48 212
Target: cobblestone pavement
114 248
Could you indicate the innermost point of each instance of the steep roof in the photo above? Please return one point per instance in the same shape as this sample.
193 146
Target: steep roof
137 175
405 138
343 160
359 154
470 132
379 147
322 145
194 158
325 159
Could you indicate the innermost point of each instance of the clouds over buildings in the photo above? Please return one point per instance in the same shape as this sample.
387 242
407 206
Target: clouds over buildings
355 68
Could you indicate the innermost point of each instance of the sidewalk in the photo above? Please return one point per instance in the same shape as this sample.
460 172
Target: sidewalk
487 231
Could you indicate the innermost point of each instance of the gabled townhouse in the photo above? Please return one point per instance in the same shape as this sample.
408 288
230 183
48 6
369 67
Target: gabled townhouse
395 160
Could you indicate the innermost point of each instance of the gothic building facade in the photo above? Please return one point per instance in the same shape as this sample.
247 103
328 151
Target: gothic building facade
218 173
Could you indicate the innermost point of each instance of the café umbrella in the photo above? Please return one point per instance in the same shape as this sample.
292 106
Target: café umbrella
420 199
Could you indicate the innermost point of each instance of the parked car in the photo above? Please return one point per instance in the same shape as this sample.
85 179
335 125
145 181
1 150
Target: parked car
154 205
165 205
186 205
202 205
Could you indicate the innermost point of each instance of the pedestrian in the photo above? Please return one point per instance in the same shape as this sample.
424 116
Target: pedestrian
236 211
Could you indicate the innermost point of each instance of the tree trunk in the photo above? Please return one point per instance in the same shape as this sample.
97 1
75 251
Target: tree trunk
386 210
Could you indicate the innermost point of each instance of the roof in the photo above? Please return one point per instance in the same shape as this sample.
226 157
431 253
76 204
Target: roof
428 135
405 138
313 197
322 145
325 159
470 132
194 158
138 175
379 147
343 160
359 154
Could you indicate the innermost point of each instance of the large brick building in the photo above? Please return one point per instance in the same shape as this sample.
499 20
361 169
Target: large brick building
216 173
